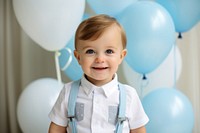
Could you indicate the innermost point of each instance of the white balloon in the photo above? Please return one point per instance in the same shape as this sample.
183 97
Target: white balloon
165 75
50 23
35 103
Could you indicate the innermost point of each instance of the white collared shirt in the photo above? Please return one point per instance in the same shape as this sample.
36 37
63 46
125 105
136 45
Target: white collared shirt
97 108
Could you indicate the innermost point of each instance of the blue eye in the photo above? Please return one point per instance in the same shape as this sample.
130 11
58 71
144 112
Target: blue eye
90 51
109 51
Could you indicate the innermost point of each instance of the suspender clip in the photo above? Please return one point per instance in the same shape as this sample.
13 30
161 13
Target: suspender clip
121 119
71 118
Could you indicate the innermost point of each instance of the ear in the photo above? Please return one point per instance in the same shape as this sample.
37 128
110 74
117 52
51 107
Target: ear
123 53
76 54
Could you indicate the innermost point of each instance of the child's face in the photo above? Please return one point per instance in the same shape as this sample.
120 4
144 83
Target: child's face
100 59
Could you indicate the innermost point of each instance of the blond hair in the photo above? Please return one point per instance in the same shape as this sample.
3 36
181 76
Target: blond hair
93 27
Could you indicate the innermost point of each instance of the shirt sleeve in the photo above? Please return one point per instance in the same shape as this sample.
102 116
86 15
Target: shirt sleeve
58 114
136 114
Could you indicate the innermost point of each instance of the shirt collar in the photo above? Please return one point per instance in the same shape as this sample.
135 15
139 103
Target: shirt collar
106 89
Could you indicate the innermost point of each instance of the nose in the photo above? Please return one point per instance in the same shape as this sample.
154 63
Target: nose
99 58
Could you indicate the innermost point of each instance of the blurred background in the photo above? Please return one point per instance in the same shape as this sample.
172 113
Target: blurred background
27 63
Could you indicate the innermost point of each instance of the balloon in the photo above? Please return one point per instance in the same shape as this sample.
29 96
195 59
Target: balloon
169 111
68 62
165 75
185 13
150 34
111 7
35 103
51 24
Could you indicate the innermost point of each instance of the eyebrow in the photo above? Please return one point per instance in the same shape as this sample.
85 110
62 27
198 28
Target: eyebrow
86 47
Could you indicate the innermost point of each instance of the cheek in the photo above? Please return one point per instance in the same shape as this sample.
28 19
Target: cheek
116 60
114 63
85 61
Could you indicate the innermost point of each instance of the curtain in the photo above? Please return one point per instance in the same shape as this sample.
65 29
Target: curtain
9 68
23 61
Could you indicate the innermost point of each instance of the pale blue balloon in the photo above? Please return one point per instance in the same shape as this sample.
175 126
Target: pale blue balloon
150 33
110 7
185 13
169 111
72 69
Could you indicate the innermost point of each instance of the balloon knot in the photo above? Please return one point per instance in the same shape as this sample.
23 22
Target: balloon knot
144 77
179 35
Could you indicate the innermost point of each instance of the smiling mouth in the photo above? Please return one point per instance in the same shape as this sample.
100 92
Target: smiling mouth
99 68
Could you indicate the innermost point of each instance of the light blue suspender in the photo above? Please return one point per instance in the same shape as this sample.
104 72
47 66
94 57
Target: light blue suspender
72 102
122 109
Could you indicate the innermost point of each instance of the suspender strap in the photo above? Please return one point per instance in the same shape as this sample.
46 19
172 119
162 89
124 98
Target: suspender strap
71 105
122 109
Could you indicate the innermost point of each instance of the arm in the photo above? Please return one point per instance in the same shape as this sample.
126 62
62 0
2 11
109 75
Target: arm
138 130
53 128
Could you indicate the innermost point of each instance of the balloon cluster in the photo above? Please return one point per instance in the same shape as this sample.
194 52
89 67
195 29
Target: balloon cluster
51 24
150 26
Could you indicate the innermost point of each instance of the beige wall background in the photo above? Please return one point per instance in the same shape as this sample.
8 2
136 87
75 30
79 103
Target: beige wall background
23 61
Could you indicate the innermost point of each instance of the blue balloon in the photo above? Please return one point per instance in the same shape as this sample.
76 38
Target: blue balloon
169 111
185 13
110 7
150 33
68 62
